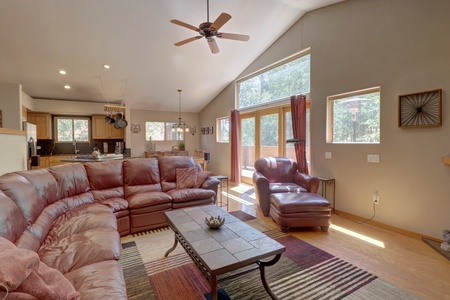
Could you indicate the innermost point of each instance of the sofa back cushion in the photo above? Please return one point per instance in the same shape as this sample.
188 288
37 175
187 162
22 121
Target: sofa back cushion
44 182
24 194
71 178
167 169
11 219
141 175
276 169
105 179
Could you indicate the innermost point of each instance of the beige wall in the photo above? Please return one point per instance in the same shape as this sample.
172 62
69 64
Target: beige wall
10 105
13 151
402 46
139 145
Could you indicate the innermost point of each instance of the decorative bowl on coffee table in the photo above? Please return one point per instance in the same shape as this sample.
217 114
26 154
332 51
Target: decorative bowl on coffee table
214 222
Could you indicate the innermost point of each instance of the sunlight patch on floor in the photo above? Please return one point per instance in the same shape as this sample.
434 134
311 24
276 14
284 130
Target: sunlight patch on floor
358 236
241 188
232 197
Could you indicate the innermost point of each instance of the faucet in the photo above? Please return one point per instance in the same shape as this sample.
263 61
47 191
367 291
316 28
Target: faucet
75 146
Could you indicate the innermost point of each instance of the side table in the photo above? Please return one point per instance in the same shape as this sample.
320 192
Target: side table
324 183
223 179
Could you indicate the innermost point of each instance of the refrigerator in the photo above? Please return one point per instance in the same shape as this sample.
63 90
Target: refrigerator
33 159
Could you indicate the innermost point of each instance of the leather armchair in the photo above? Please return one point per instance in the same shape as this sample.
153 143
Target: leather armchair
279 175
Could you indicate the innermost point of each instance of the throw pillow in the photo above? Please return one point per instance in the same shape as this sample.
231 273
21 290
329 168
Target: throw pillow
186 177
202 176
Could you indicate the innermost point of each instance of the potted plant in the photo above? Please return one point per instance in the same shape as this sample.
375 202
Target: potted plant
181 145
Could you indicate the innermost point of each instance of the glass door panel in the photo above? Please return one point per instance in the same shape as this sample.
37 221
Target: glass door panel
290 149
269 137
248 148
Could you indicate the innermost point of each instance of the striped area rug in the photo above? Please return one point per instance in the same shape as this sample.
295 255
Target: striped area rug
303 272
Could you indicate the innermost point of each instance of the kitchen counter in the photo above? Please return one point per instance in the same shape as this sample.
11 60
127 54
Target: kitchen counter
90 158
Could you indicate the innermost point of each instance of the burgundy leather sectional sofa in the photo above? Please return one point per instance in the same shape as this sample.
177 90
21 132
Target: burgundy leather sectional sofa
72 217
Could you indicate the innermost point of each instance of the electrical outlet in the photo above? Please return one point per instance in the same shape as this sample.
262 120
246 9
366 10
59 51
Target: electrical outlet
376 198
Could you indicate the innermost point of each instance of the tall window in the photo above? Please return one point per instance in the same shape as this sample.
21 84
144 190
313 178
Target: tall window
263 99
280 81
71 128
162 131
354 117
223 129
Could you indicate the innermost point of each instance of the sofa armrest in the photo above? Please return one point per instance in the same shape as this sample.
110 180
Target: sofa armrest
310 183
211 183
262 191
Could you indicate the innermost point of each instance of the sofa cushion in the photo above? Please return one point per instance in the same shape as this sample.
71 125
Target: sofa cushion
186 177
72 179
24 194
44 182
102 280
105 179
82 249
183 195
148 199
141 175
65 226
11 220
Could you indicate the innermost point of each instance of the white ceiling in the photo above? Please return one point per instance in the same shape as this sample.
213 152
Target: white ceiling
37 38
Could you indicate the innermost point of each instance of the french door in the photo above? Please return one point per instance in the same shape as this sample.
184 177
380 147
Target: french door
264 133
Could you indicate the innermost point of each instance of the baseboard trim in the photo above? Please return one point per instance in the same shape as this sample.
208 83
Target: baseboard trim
412 234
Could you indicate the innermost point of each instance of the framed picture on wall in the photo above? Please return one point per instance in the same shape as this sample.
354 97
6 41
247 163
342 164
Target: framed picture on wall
423 109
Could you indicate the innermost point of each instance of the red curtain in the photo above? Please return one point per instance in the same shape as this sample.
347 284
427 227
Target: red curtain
235 146
298 113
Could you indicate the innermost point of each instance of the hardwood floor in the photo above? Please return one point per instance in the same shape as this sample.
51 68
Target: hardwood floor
404 261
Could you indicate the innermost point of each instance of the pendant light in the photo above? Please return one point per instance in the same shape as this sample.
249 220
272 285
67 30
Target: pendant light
180 126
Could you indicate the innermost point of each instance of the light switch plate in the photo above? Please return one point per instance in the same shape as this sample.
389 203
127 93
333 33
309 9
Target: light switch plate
328 155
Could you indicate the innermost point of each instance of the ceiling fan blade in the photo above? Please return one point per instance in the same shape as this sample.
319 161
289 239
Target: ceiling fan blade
220 21
180 43
186 25
213 45
233 36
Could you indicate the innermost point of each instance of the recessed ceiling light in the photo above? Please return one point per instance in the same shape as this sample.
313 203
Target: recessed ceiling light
106 66
67 87
62 72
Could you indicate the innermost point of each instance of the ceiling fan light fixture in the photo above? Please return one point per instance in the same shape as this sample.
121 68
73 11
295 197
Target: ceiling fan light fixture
210 30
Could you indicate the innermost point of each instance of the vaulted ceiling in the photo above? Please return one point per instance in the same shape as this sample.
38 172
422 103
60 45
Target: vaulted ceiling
136 38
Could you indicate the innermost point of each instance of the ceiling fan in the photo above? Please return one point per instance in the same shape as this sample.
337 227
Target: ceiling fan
210 30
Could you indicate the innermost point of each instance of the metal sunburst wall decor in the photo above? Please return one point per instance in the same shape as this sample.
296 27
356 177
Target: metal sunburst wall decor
422 109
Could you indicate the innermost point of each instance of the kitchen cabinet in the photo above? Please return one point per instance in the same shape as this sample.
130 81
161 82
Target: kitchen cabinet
43 122
103 130
44 163
58 160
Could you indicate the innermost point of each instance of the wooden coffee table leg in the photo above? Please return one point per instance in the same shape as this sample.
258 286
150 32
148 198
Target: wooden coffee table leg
214 287
173 247
262 265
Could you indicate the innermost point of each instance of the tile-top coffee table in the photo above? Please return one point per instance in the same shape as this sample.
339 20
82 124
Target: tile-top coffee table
218 251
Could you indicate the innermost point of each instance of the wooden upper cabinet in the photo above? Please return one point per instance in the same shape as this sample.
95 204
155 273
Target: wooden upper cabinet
103 130
43 122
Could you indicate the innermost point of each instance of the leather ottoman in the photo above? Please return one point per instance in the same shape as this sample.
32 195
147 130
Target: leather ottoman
300 210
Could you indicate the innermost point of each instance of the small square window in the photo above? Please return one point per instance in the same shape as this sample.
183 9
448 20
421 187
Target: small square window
223 130
354 117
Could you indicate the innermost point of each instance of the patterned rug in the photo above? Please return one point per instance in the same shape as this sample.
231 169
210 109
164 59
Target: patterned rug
303 272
